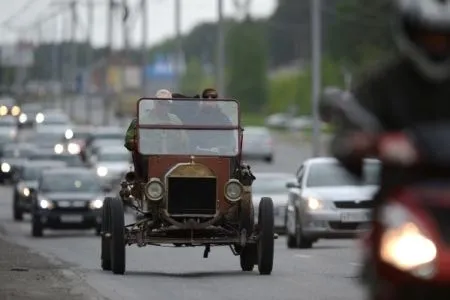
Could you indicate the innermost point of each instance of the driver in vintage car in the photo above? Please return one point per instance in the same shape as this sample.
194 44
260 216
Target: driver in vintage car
162 141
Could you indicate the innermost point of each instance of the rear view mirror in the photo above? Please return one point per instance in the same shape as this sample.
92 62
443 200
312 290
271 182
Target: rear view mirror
292 185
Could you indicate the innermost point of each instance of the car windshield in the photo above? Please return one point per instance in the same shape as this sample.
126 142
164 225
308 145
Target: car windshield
108 136
333 174
271 185
119 156
31 173
7 122
193 118
70 182
80 135
55 119
17 152
70 160
47 138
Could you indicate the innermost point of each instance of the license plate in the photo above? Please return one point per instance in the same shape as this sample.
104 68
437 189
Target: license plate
72 219
355 217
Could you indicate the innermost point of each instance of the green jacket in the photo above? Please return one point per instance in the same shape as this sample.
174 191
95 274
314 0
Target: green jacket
177 141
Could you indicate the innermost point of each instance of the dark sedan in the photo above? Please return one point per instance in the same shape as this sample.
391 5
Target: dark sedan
69 198
13 157
27 181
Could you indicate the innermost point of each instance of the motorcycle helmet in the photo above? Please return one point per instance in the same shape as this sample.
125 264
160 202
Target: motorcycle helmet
422 33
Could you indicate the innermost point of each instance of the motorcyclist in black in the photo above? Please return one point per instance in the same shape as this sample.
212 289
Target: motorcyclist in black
412 89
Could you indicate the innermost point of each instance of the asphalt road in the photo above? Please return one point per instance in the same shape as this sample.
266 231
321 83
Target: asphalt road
326 272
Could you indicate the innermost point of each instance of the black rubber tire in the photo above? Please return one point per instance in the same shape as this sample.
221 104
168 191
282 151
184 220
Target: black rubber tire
17 211
248 257
301 241
105 255
268 159
117 227
266 240
37 230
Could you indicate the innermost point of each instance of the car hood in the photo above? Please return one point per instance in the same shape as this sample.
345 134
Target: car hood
278 199
70 196
341 193
14 161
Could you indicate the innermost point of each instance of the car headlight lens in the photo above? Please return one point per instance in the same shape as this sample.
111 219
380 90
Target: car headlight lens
154 189
15 111
234 190
404 245
26 192
314 203
96 204
40 117
23 118
73 148
45 204
5 167
59 148
3 110
68 134
102 171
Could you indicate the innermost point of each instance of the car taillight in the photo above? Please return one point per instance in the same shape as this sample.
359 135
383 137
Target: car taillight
397 148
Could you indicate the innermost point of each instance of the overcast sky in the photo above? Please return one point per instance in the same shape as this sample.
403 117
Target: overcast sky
161 18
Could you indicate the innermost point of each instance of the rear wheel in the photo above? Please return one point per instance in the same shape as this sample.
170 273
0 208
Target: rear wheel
106 241
117 230
17 211
37 229
266 236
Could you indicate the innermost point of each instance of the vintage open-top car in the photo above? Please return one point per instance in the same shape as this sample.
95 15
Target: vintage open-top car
192 188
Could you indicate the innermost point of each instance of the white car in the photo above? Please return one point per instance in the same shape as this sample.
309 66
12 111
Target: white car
328 202
273 185
257 144
55 121
111 163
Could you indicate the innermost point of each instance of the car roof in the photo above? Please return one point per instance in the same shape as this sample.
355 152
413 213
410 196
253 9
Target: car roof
108 129
315 160
68 170
19 145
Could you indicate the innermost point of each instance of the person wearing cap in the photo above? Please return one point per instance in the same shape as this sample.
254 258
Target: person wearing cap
161 141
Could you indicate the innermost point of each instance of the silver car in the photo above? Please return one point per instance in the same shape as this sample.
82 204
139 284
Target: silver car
111 163
328 202
257 144
273 185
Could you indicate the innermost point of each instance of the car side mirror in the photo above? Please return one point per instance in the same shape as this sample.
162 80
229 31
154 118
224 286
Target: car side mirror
292 185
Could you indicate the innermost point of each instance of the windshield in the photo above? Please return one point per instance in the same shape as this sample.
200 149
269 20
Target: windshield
108 136
271 185
49 120
17 153
70 160
66 182
31 173
333 174
219 115
114 157
81 135
47 138
7 122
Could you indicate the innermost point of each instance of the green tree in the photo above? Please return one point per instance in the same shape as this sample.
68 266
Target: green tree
193 79
247 60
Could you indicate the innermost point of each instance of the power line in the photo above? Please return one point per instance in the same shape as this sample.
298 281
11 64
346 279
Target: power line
20 11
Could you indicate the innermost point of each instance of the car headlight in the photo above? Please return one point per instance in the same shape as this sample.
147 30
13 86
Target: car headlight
404 244
45 204
314 203
59 148
73 148
40 117
3 110
26 191
5 167
23 118
15 111
96 204
154 189
233 190
68 134
102 171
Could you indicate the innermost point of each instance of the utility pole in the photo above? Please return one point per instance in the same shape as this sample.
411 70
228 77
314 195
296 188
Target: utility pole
179 51
109 46
220 65
125 43
316 36
73 54
89 61
144 56
55 62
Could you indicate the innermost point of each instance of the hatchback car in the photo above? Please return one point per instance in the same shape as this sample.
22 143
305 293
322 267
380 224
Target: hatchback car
328 202
68 198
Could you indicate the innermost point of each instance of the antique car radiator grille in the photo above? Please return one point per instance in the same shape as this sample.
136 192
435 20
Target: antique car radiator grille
192 196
